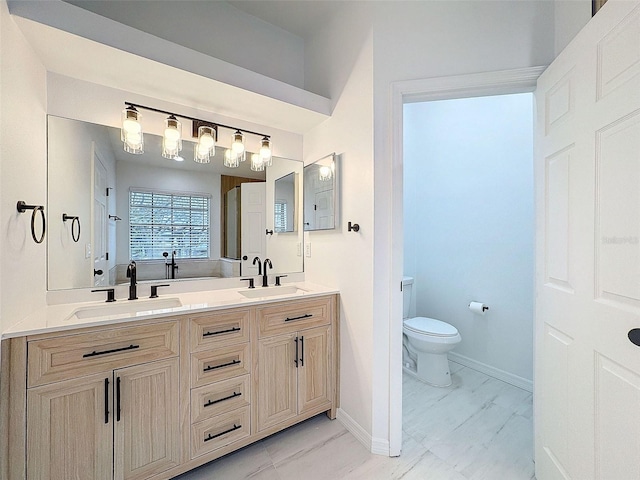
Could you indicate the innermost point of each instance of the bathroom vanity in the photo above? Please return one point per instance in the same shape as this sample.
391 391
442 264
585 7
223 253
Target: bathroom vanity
150 389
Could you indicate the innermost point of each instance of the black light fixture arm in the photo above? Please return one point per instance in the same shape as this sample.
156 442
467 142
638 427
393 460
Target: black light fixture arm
193 119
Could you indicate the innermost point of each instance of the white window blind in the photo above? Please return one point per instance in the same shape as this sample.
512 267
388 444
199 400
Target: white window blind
165 222
280 216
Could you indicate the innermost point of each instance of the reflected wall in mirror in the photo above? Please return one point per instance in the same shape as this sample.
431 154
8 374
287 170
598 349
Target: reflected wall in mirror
169 216
284 204
321 194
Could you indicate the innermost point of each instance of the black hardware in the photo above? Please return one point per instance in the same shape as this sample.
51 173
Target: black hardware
213 367
251 285
106 400
23 207
97 272
308 315
106 256
208 334
170 268
110 293
295 360
257 259
204 122
213 402
107 190
131 273
269 232
634 336
265 279
105 352
74 221
278 277
211 437
353 227
245 258
154 290
302 351
114 217
118 399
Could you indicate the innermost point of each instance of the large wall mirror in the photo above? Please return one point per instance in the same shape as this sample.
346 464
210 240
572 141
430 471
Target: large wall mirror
178 220
321 194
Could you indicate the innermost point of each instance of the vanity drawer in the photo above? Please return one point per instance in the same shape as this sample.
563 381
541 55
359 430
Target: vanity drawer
220 397
223 329
220 364
72 356
290 317
219 431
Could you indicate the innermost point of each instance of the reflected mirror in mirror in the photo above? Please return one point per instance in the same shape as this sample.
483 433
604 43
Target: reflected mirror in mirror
176 219
321 194
284 204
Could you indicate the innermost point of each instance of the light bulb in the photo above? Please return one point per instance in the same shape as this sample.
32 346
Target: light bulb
325 173
238 142
203 149
131 126
133 138
172 129
257 163
231 159
131 131
265 149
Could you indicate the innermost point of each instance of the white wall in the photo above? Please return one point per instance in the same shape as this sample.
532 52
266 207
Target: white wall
23 173
216 29
570 16
69 191
469 223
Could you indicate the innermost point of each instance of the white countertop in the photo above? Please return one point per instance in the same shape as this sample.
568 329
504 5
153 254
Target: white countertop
55 318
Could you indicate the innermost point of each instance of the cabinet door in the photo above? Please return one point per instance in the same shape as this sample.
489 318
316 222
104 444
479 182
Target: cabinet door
147 434
314 369
277 380
70 430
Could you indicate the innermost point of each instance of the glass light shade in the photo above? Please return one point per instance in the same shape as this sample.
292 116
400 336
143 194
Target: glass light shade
131 131
206 146
238 142
265 151
231 159
257 163
325 173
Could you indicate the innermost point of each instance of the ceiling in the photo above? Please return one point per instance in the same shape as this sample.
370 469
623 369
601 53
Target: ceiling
300 17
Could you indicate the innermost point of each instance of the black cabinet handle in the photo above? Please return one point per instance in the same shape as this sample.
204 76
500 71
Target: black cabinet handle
295 361
213 367
213 402
106 400
308 315
208 334
104 352
118 399
302 351
211 437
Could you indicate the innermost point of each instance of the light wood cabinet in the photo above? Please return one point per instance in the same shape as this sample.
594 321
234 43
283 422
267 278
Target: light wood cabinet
158 398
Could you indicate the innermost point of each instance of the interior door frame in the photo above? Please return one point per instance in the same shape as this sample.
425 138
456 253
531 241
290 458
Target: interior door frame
503 82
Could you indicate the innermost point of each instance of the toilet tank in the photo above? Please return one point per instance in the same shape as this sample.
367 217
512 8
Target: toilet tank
407 287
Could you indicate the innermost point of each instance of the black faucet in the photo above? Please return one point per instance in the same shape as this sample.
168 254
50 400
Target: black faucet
257 259
265 280
174 266
131 273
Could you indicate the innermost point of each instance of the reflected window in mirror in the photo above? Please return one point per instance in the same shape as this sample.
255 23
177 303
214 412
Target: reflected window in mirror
285 198
321 194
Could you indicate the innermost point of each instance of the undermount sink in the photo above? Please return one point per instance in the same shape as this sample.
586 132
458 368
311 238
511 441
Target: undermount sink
133 307
260 292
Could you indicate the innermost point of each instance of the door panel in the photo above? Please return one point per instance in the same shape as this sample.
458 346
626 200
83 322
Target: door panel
588 253
314 369
253 213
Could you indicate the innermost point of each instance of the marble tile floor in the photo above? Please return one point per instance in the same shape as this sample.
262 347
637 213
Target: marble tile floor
479 428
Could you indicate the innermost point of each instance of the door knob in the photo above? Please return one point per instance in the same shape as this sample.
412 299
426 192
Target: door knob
97 272
634 336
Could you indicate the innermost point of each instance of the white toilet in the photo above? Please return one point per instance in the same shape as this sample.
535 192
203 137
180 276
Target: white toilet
427 342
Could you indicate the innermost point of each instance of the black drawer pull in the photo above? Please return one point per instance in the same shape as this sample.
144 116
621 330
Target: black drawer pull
213 402
94 353
213 367
234 329
211 437
106 400
308 315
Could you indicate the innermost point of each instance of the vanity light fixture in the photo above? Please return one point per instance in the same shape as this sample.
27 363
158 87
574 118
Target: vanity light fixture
131 131
172 138
207 134
257 162
326 173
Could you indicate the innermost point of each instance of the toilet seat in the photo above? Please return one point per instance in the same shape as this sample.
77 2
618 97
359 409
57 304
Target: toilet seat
430 326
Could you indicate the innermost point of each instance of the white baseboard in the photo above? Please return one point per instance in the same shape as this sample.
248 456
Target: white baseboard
355 429
380 446
494 372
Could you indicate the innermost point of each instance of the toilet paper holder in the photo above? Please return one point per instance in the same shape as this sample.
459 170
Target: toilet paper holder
478 307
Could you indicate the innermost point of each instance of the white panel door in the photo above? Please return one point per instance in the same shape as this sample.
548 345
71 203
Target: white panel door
99 273
253 213
587 386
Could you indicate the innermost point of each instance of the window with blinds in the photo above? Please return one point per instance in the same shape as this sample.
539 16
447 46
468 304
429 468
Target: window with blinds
165 222
280 210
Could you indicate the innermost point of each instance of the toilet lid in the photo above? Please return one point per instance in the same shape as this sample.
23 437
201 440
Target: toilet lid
430 326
